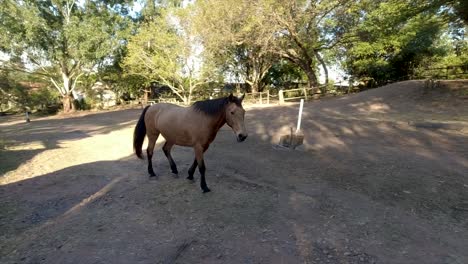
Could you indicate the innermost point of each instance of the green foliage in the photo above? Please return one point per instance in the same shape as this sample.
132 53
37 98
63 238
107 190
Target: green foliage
394 39
64 40
237 38
193 48
43 98
283 74
19 91
165 51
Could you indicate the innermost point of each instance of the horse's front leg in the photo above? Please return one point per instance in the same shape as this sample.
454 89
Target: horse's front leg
167 151
191 170
201 167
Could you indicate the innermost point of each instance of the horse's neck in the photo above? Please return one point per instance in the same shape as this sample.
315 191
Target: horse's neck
215 124
219 121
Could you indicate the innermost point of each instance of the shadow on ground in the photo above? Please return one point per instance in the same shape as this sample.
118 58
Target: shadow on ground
20 142
362 190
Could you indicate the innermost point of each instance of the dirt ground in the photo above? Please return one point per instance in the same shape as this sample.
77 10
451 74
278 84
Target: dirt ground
382 178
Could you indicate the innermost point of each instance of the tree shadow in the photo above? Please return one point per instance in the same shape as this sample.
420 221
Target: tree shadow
361 190
381 159
368 175
89 211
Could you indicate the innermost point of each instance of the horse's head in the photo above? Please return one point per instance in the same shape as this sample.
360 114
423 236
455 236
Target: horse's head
235 117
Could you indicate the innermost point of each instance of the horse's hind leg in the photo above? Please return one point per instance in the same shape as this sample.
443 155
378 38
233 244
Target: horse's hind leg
149 151
167 151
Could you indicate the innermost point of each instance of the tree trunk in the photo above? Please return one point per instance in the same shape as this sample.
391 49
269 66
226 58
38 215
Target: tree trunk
68 104
311 77
325 70
254 87
189 100
306 66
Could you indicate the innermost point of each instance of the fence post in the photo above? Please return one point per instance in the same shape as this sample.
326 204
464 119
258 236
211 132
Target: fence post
305 93
268 97
261 99
281 96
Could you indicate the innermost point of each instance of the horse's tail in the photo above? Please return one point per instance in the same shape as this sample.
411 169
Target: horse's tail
139 134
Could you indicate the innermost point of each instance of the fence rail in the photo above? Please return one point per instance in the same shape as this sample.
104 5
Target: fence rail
449 72
299 93
267 97
258 97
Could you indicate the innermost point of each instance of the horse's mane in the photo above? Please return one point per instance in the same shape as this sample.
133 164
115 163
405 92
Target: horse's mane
215 106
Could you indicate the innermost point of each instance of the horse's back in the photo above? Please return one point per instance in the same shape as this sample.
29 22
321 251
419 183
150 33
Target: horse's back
162 112
172 121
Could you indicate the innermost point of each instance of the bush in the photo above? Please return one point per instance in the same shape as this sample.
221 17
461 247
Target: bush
82 104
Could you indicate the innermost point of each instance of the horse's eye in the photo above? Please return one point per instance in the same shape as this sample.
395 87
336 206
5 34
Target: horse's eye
232 113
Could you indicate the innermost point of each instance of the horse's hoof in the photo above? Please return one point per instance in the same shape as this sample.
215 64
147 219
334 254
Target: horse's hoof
175 175
153 176
206 190
190 178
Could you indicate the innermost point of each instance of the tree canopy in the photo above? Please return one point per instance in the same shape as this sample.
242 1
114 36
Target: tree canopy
62 40
186 44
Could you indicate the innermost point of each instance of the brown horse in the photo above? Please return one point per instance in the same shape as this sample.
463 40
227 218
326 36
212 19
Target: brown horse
194 126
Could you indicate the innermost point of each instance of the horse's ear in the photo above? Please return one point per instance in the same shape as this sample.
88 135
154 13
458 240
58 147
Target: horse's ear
231 98
242 98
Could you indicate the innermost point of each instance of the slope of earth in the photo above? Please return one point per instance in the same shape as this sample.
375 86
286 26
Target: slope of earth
381 178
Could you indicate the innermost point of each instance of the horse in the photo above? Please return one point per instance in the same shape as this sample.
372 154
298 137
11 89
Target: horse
195 126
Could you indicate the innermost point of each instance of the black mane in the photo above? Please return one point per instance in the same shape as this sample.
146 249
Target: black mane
214 106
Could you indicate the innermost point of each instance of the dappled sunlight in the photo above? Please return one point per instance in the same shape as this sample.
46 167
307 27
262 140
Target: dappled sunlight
322 137
357 176
59 143
112 146
345 128
371 107
33 145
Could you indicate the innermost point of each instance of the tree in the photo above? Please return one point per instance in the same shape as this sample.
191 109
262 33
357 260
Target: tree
308 29
393 38
248 37
165 51
237 37
19 91
283 73
63 40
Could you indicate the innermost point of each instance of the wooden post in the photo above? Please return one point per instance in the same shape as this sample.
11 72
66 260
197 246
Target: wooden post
268 97
281 96
299 117
261 99
305 93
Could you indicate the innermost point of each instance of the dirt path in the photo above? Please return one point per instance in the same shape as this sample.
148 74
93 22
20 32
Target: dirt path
381 179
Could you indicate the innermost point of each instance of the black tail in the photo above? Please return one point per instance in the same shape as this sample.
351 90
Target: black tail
139 134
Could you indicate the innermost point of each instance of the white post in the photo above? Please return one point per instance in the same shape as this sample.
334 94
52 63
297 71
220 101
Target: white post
300 116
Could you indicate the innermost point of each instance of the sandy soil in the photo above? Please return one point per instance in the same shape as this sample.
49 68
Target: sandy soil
381 178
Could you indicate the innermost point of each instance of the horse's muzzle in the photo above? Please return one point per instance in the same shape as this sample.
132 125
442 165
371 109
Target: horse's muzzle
241 137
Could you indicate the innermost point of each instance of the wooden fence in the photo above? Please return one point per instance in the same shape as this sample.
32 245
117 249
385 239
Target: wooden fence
447 73
266 97
258 97
305 93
